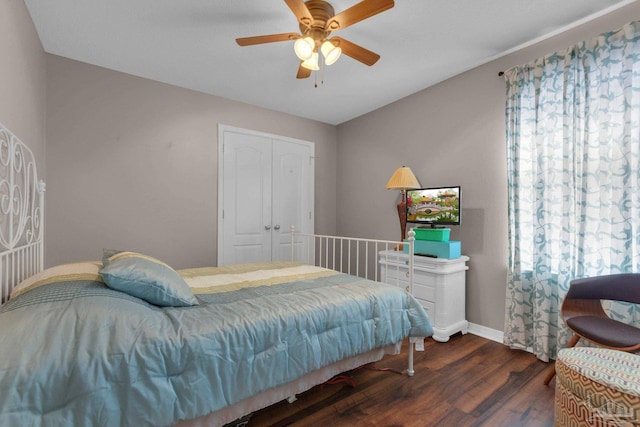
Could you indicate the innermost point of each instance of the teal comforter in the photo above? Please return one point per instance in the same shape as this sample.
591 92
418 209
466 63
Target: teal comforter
86 355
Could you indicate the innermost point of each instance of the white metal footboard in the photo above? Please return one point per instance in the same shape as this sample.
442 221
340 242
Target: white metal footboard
21 214
358 257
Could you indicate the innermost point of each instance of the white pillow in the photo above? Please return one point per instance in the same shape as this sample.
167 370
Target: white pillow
87 270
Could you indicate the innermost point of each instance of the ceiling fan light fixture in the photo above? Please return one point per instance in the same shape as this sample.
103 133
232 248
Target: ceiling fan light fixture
330 52
304 47
317 20
311 63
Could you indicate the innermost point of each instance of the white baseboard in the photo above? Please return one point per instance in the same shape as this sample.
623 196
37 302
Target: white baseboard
484 332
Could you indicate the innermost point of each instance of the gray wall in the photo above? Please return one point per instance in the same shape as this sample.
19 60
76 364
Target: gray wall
450 134
22 78
133 164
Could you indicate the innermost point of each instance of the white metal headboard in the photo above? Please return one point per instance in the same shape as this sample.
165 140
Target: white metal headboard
21 214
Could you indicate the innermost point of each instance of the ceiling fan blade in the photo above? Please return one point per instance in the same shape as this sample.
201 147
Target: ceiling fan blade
303 72
301 11
248 41
356 52
363 10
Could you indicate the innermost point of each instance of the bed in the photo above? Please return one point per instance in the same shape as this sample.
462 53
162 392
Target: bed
124 339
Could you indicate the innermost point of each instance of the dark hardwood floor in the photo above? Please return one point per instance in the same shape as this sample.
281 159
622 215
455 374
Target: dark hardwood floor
468 381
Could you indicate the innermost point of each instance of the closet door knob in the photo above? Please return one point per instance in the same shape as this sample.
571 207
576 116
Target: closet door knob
277 227
267 227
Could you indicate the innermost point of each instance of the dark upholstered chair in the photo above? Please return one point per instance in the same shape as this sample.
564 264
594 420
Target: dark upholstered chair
583 314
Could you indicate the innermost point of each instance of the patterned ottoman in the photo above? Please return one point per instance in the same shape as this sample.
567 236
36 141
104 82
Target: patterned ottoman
597 387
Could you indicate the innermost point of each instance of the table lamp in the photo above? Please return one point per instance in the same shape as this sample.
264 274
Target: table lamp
403 179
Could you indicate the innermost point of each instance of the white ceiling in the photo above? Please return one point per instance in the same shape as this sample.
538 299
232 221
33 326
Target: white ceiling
191 43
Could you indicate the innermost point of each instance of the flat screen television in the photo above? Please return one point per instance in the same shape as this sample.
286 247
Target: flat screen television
434 207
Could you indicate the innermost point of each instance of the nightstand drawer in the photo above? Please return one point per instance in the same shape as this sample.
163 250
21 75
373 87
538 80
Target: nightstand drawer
397 276
423 292
430 308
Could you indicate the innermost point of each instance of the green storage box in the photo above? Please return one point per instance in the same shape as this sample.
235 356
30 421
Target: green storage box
432 234
451 249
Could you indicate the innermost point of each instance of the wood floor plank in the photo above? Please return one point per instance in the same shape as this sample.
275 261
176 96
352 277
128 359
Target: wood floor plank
529 406
468 381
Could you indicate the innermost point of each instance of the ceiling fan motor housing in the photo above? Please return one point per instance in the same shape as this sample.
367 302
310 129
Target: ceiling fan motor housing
321 12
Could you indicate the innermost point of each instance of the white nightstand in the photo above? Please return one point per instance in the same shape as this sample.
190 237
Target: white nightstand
439 285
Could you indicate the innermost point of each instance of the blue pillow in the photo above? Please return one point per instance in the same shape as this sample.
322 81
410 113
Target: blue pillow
147 278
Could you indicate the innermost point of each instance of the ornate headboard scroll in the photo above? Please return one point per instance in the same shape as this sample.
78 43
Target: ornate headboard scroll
21 214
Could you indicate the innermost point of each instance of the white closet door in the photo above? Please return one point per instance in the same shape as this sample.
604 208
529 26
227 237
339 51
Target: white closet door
265 186
293 173
246 199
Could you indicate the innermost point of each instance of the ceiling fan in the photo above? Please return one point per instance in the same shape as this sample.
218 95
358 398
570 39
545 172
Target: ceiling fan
317 20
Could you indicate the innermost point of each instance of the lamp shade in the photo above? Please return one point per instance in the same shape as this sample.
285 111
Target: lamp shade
330 52
304 47
402 179
312 62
